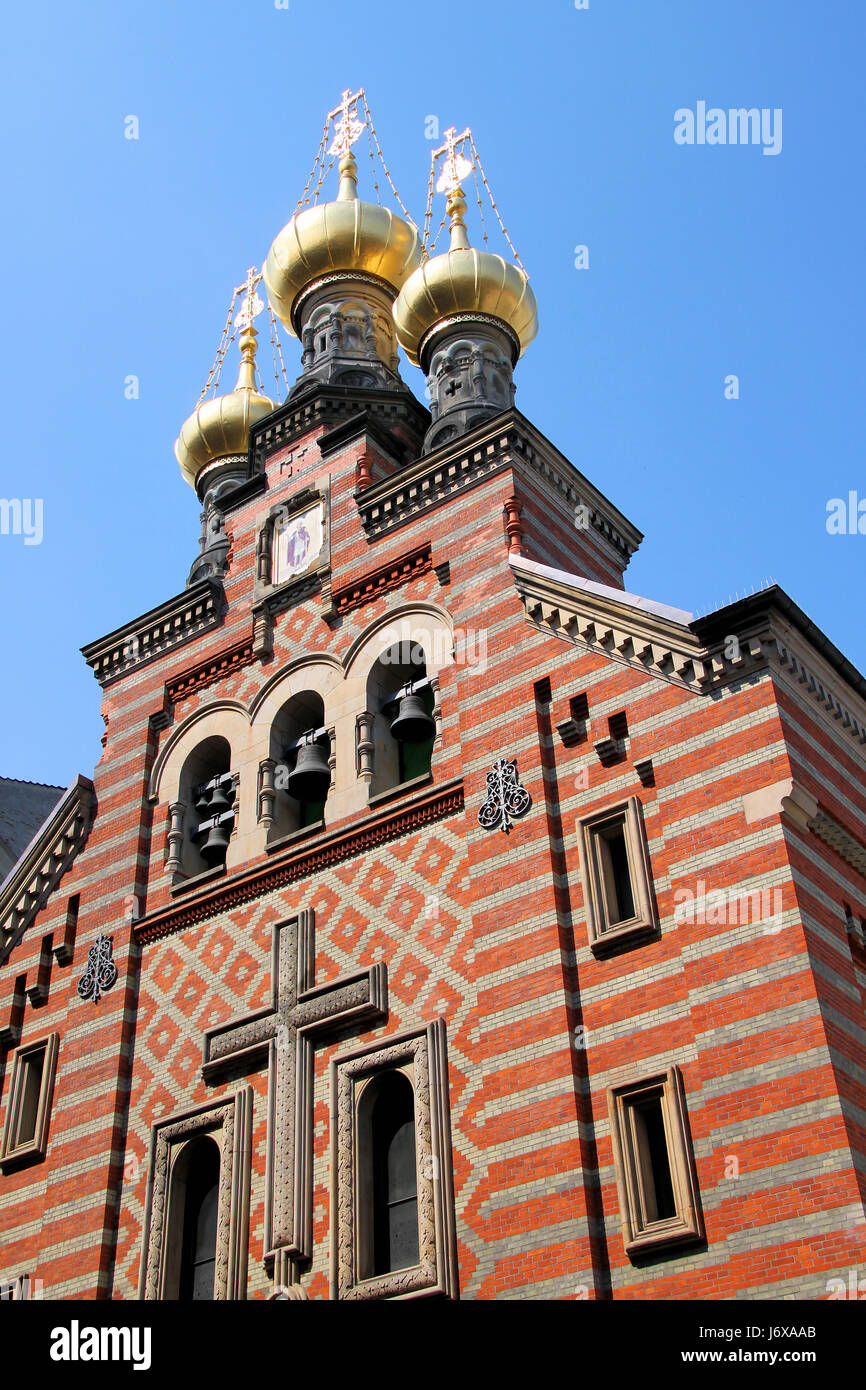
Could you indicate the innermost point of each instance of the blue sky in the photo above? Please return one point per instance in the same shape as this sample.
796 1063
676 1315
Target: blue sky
704 261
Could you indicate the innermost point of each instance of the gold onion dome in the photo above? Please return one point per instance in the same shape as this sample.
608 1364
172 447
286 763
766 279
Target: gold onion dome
464 281
338 238
219 428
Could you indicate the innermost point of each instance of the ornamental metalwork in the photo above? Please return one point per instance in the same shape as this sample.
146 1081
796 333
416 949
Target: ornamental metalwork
506 800
101 972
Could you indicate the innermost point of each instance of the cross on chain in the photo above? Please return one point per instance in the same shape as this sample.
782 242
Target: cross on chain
348 129
251 305
300 1015
456 166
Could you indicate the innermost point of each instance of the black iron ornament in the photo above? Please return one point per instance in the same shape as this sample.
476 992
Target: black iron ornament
506 800
101 972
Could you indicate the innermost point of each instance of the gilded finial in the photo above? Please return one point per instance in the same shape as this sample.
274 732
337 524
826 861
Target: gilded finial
247 371
456 208
251 306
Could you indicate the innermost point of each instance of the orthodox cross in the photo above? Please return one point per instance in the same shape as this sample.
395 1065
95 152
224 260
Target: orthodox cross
300 1015
348 128
456 166
252 305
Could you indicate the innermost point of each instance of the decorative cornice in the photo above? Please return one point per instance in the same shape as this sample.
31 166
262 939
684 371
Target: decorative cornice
750 638
379 581
363 425
210 670
505 442
331 406
299 863
821 693
594 620
46 859
174 622
828 829
294 591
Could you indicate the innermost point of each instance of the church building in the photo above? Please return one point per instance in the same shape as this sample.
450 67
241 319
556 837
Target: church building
442 919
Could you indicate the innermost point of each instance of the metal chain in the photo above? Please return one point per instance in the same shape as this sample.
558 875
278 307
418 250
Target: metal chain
275 339
428 211
319 159
224 343
438 233
481 209
373 166
502 226
406 213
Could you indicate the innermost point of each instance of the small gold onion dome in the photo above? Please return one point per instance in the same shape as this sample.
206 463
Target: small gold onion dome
336 237
220 427
464 281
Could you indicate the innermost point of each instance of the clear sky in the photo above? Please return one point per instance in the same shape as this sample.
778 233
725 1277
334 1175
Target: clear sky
705 261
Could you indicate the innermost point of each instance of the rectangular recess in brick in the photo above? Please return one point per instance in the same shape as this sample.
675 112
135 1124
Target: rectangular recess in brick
575 729
543 692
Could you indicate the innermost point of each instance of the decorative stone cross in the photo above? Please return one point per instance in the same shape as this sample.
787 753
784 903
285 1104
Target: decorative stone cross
300 1015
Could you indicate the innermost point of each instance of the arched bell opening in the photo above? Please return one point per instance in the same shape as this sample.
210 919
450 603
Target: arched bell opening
401 698
203 817
191 1233
300 754
387 1176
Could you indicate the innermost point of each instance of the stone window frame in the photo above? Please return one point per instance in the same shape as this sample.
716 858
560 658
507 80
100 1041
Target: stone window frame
265 586
229 1122
422 1056
12 1154
644 922
640 1235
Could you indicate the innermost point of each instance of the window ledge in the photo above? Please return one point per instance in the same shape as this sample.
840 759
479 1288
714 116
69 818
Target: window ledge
304 833
197 880
21 1157
650 1240
402 790
624 934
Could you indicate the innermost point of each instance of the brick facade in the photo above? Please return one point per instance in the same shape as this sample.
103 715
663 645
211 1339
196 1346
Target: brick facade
756 785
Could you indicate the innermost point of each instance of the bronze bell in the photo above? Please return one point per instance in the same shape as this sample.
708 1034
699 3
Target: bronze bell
413 724
214 802
310 778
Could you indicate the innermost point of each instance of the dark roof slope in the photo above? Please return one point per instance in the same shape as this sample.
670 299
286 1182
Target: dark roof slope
24 808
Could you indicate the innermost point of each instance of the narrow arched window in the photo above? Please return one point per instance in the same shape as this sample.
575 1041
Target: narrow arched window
394 1185
199 1181
203 817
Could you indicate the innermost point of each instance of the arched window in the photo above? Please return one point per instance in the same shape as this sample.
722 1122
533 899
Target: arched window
192 1233
203 817
389 1184
300 750
402 701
